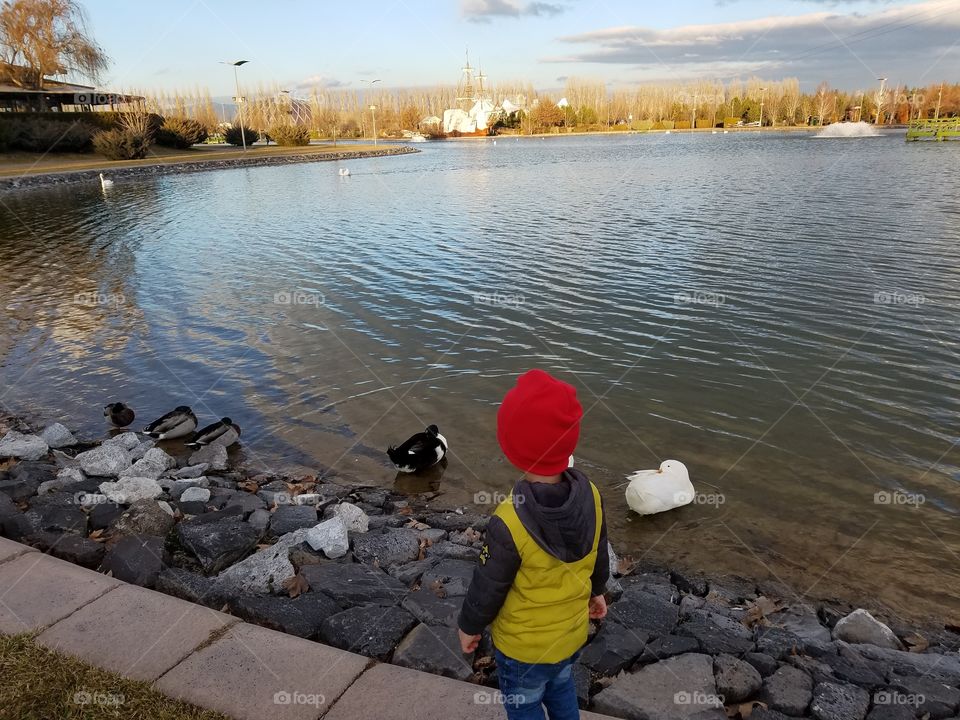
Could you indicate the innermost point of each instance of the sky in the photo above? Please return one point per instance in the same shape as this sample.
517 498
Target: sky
298 44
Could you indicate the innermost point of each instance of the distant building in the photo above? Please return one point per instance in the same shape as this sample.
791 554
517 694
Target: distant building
19 92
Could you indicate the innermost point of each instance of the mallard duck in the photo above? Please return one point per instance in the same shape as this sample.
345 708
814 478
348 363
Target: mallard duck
223 432
120 415
177 423
656 491
423 450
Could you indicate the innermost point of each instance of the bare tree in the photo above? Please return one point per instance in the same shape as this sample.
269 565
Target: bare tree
49 37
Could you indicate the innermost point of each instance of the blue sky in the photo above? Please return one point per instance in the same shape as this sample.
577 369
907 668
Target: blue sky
297 44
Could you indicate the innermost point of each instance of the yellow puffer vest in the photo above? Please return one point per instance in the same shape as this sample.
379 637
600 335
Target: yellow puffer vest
545 617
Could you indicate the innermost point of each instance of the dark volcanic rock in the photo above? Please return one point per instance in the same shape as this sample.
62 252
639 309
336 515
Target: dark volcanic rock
217 544
788 690
839 702
432 609
675 689
764 664
613 649
409 573
939 700
247 502
68 546
855 670
453 551
762 713
354 584
57 513
371 630
582 681
453 576
13 523
23 479
933 666
190 586
717 633
103 515
302 616
690 583
736 679
668 646
456 521
778 642
288 518
639 610
392 547
434 649
891 712
136 559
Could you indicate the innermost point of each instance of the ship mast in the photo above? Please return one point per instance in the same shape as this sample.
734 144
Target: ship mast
466 92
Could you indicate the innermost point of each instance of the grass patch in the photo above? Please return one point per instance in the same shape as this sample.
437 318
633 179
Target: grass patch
39 684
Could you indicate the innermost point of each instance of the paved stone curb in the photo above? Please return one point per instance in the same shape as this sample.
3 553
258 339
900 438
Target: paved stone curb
10 184
212 659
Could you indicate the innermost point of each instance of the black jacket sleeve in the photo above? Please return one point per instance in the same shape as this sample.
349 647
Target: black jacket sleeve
601 571
492 579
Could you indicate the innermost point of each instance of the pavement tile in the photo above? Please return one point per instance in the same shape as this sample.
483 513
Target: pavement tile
136 632
253 673
37 591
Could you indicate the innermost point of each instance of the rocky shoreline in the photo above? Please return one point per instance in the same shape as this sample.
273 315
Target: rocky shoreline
383 574
119 173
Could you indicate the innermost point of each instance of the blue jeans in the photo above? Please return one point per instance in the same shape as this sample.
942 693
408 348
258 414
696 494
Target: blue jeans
529 688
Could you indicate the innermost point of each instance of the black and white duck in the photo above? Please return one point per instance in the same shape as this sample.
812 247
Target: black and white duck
223 432
423 450
177 423
119 414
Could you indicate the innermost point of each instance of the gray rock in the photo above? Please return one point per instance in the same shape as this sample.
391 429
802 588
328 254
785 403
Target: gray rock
217 544
215 457
736 679
689 603
136 559
935 698
302 616
861 627
191 471
354 584
191 587
673 689
451 550
154 463
176 488
855 670
392 547
655 584
668 646
259 519
379 522
451 521
106 460
275 493
104 514
355 519
434 649
329 537
124 441
802 622
57 436
788 690
145 517
265 571
128 490
453 576
639 610
65 478
289 518
764 664
613 648
891 712
778 642
839 702
433 608
58 518
934 666
717 633
370 630
411 572
433 535
247 502
195 494
23 447
76 549
762 713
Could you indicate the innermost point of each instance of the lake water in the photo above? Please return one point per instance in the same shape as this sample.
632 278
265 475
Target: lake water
777 312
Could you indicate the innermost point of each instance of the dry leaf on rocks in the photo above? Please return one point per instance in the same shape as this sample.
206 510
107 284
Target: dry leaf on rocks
249 486
757 610
743 711
471 535
437 588
405 511
916 643
300 488
424 544
625 565
296 585
416 525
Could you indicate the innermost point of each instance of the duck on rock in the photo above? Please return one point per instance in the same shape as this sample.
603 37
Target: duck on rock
177 423
223 432
656 491
423 450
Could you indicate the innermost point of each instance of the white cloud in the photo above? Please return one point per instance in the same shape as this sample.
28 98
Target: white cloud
484 10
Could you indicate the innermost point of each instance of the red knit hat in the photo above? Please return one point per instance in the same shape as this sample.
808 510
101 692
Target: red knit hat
538 423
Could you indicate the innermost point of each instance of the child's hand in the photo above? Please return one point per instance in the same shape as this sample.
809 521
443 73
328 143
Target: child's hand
468 643
598 607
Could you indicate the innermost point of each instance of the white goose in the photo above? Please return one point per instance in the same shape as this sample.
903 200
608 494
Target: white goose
656 491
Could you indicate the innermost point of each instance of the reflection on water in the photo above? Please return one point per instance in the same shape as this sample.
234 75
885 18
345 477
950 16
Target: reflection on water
777 313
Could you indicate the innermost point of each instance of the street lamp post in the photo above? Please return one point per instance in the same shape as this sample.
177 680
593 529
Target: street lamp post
238 98
762 91
880 99
373 109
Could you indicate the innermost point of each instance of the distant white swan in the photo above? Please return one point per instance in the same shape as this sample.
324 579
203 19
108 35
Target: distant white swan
105 181
344 172
656 491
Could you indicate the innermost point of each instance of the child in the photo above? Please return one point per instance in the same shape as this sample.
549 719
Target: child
545 565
